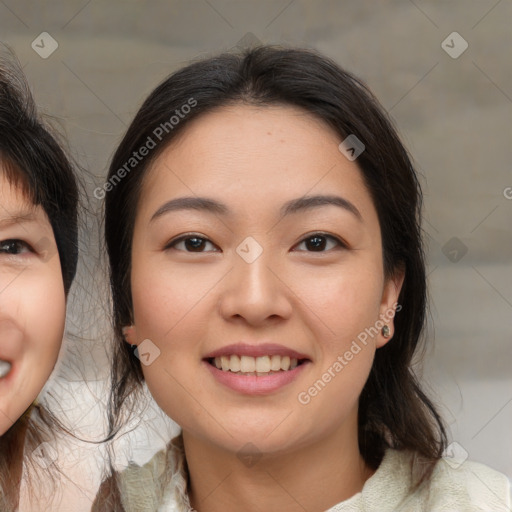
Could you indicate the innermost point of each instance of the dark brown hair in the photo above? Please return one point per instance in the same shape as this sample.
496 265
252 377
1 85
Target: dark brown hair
393 410
32 159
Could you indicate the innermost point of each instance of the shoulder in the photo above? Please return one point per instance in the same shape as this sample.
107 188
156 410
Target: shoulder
464 483
456 484
141 487
134 489
159 484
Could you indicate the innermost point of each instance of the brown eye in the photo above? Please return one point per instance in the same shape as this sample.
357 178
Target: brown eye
190 244
319 241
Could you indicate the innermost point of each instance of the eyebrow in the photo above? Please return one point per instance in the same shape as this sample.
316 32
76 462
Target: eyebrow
294 206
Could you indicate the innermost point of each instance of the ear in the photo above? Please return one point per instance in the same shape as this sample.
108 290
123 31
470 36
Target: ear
389 305
130 334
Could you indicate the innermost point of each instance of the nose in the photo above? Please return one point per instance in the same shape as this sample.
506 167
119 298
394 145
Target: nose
255 292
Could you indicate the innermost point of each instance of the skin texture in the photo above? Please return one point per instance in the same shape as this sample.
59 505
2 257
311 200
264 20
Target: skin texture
189 303
32 301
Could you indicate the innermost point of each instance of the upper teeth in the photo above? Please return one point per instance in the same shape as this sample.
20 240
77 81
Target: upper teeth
248 364
5 368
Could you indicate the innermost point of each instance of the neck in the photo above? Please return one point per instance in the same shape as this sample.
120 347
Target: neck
314 477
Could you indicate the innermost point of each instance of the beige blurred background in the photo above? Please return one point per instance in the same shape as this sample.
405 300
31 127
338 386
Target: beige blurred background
453 108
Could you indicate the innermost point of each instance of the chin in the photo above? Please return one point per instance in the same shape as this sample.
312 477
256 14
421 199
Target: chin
250 438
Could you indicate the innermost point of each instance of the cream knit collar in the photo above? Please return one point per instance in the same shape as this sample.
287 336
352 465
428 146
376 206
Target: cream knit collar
160 485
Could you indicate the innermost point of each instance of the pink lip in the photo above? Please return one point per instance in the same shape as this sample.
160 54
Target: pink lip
252 384
262 349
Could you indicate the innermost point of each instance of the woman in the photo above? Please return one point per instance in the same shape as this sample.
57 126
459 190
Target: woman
38 257
268 279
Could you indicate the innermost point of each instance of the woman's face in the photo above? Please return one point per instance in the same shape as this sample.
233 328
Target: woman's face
256 248
32 302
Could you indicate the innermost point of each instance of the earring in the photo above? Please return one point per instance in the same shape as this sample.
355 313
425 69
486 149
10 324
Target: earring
385 331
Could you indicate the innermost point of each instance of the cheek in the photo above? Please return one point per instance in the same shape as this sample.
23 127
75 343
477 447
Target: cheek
330 398
165 296
44 309
178 311
342 308
343 301
165 305
32 318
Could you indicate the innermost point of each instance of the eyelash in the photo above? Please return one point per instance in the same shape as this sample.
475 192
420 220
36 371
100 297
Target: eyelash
18 243
189 236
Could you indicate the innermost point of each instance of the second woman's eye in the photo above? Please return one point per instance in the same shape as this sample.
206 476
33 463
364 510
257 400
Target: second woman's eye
14 247
319 242
190 243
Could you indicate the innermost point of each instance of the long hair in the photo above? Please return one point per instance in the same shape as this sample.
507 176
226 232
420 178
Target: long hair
32 159
393 410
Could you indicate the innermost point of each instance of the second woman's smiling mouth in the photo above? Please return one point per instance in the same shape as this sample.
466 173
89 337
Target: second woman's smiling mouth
248 365
255 369
254 383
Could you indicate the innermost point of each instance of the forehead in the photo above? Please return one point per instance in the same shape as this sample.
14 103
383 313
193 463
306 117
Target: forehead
261 154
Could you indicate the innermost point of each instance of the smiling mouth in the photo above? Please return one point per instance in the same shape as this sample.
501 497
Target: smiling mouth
255 366
5 368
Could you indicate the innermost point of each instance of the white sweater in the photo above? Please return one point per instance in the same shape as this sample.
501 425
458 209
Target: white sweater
455 486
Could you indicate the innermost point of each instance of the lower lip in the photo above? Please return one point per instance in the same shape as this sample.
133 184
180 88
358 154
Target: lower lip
252 384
